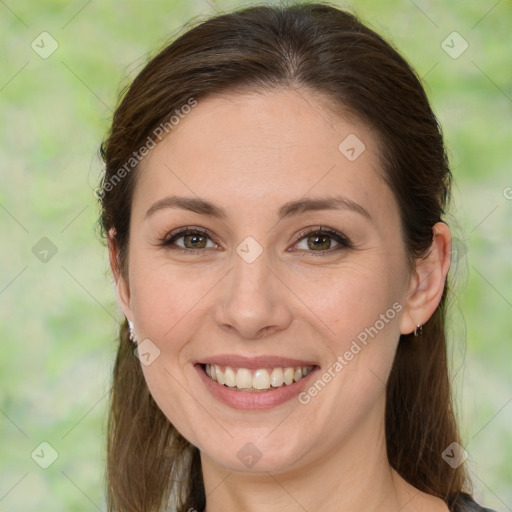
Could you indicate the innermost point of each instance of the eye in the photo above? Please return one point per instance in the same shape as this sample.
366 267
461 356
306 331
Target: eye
193 239
319 240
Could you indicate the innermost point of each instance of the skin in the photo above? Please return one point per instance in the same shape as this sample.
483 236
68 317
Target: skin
250 153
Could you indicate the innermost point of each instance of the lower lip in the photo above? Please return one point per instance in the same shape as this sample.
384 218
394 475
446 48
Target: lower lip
255 400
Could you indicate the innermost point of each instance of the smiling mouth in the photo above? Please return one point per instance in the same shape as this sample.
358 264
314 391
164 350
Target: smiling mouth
260 380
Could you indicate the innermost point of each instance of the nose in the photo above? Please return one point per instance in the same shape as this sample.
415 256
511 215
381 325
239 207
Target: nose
253 301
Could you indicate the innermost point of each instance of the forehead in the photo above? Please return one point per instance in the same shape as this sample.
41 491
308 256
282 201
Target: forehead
248 149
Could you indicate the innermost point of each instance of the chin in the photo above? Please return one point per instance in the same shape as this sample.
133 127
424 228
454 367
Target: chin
258 456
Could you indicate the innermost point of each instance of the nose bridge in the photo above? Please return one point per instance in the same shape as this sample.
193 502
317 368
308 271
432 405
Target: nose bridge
252 302
250 274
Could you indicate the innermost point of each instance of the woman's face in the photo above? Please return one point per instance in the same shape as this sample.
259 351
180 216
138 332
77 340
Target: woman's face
275 276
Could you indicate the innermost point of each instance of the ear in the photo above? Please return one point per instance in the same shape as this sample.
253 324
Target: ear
122 287
428 280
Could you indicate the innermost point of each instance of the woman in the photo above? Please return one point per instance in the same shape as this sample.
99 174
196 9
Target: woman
273 199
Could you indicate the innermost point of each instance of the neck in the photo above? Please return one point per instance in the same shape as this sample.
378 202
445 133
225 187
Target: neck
356 476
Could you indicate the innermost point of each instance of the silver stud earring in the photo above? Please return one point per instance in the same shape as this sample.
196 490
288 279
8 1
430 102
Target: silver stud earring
419 330
133 338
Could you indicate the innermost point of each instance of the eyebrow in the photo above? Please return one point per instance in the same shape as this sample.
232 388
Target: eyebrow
289 209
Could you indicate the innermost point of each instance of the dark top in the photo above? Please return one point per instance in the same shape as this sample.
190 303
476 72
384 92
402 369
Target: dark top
466 503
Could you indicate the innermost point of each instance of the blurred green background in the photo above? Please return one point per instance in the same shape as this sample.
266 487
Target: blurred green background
58 315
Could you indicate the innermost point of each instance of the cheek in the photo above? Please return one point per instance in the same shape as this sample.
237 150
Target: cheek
358 312
165 299
348 301
168 310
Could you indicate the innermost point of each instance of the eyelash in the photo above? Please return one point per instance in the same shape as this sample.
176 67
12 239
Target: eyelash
343 241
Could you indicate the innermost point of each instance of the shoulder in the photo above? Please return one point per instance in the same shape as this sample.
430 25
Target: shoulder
465 503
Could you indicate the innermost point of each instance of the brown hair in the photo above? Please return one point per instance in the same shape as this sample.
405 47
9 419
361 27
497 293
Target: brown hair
328 51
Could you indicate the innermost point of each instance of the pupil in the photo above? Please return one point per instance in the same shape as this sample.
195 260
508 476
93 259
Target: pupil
322 245
193 239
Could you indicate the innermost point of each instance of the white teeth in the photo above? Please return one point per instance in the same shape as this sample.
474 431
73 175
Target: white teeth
288 376
277 377
230 377
242 378
220 375
261 379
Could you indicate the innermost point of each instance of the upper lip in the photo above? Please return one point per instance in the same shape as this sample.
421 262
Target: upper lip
254 363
